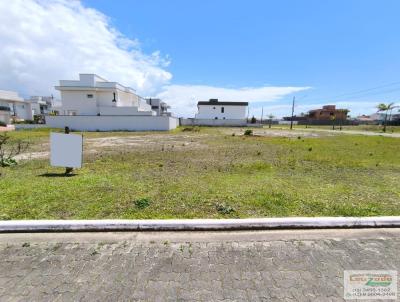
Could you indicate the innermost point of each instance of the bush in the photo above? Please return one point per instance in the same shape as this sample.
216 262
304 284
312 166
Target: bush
224 209
194 129
248 132
142 203
2 124
22 122
8 150
253 120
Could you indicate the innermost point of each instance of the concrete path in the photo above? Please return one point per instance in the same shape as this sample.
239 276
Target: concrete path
285 265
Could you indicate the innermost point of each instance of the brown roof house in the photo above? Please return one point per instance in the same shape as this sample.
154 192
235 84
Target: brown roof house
328 113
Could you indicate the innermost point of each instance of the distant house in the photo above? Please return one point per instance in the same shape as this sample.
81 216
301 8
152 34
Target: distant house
327 113
366 119
160 107
14 107
216 113
93 103
323 115
41 104
213 109
378 118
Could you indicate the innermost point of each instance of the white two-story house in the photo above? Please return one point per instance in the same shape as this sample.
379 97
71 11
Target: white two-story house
93 103
93 95
213 109
14 107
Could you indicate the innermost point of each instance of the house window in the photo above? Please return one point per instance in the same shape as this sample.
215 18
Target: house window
223 118
89 96
216 118
213 107
222 109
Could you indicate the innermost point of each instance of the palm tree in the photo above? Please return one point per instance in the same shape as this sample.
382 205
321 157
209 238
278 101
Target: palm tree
270 117
385 108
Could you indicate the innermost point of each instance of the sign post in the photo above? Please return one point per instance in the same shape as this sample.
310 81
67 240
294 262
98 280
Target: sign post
66 150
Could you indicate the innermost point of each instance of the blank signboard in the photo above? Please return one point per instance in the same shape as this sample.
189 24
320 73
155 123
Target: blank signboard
66 150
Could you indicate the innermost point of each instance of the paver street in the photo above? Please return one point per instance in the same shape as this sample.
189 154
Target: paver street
296 265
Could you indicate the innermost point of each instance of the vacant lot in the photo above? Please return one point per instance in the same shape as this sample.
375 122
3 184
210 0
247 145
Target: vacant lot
207 172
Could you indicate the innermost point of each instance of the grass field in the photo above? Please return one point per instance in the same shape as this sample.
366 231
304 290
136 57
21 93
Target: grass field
207 172
368 128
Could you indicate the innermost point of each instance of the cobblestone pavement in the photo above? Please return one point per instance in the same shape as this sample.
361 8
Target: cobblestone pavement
296 265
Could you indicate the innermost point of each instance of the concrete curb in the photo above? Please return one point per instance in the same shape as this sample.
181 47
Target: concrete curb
13 226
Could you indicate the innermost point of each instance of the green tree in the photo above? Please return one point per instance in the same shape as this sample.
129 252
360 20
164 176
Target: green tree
333 119
270 117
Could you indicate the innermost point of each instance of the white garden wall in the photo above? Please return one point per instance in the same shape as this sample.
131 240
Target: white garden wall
112 123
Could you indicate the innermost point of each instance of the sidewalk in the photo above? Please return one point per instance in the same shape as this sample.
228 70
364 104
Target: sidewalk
280 265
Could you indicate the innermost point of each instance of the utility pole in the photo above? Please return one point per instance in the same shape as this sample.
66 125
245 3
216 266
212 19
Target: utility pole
262 113
291 119
68 170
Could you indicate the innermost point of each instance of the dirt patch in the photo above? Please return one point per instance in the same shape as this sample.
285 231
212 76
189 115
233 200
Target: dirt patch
279 133
143 142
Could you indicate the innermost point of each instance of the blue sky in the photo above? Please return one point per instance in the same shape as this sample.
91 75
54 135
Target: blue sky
335 47
343 52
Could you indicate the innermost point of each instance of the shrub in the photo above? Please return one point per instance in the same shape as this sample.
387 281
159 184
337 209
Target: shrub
23 122
224 209
253 120
248 132
142 203
194 129
8 150
2 124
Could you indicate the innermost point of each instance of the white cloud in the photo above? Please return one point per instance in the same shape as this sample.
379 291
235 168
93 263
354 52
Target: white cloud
183 98
45 41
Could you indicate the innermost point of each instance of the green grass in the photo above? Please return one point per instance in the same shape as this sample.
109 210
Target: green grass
223 176
371 128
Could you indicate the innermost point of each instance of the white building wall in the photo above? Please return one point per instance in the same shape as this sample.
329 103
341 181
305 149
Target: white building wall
20 108
124 111
104 98
79 102
113 123
23 111
126 99
214 111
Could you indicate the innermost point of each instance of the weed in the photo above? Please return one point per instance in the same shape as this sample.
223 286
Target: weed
142 203
224 209
248 132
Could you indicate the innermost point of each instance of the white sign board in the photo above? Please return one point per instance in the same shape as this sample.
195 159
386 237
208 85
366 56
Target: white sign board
66 150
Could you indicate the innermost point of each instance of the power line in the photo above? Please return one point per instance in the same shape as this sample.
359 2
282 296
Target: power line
363 91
